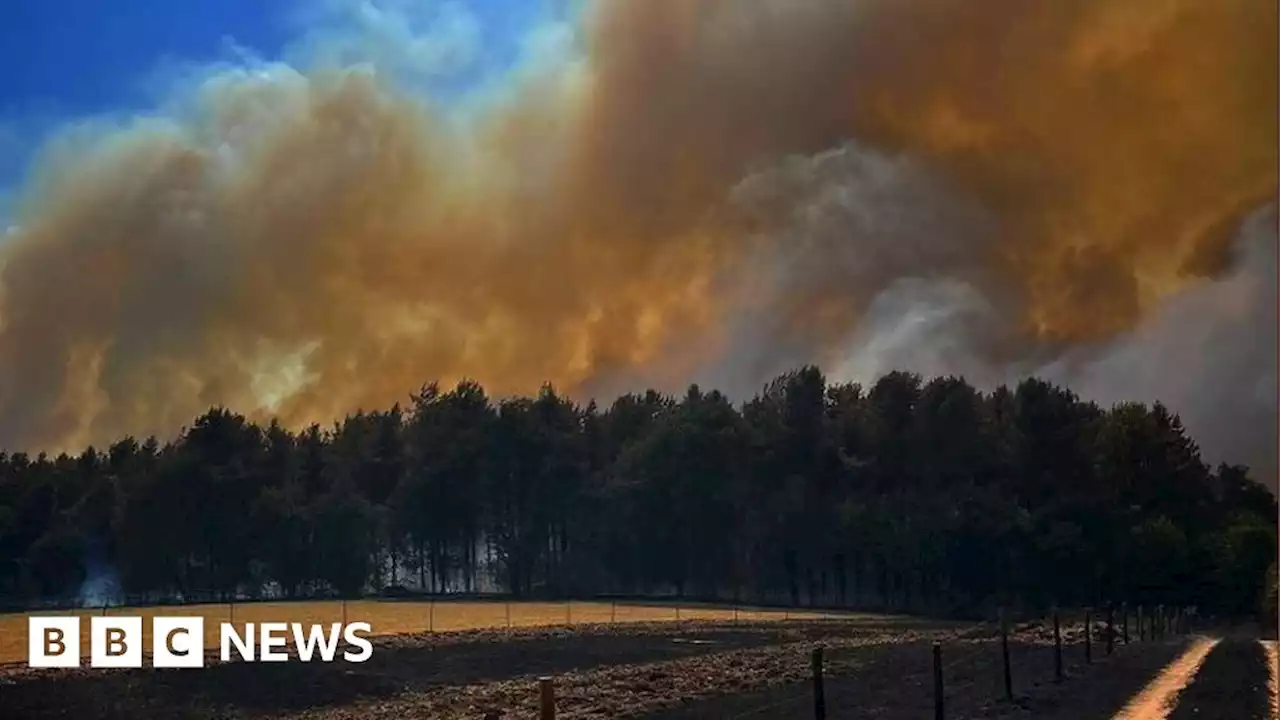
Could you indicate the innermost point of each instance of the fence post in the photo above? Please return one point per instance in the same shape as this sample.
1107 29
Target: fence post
613 611
431 615
1124 623
1057 647
939 708
1088 636
1111 627
548 694
1004 652
819 697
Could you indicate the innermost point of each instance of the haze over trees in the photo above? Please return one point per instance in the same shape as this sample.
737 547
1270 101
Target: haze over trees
908 495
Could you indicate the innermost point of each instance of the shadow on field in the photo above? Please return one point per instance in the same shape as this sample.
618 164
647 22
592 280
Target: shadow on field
1232 683
896 681
398 664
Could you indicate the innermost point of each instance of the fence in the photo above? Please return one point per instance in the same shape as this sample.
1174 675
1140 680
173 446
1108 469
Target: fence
416 615
963 675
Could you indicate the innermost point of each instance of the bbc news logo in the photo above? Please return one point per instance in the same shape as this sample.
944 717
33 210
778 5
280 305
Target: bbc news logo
178 642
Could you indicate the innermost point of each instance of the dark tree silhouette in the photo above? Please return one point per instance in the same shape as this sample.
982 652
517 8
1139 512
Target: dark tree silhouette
910 495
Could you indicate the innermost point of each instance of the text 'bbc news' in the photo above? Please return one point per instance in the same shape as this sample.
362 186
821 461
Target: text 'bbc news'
178 642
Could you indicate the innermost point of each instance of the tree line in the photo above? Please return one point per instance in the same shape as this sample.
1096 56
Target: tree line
907 495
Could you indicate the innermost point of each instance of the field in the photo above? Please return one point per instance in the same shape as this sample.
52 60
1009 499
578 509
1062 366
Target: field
706 666
388 617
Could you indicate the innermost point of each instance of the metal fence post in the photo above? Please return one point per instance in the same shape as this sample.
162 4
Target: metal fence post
1057 647
547 692
1004 652
819 697
939 708
1124 623
1088 636
1111 627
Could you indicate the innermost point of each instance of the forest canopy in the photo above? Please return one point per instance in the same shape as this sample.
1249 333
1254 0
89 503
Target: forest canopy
910 494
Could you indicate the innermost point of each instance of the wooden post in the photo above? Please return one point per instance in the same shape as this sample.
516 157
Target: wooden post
1057 647
547 691
1124 622
1111 627
1088 636
431 616
819 697
939 707
1004 652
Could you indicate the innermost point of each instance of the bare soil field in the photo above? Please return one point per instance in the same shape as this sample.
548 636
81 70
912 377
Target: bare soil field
875 667
601 671
896 681
395 617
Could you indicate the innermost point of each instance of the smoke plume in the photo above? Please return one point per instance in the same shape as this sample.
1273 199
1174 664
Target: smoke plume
659 192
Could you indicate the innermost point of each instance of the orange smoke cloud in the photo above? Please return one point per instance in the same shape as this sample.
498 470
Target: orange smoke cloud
311 242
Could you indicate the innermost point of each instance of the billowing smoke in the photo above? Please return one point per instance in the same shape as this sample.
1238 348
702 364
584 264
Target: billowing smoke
666 191
101 584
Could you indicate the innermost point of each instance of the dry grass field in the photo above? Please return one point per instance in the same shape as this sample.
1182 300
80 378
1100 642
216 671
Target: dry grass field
400 617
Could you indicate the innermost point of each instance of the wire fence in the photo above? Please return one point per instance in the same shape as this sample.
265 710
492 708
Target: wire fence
959 674
946 673
418 615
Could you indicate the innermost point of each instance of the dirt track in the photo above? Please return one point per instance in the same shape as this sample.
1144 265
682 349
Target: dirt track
1232 683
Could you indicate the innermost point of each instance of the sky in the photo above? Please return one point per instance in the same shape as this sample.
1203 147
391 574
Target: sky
86 58
304 208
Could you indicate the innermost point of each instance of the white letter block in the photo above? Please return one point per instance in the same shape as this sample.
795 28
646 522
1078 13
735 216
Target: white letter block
177 642
53 642
115 642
